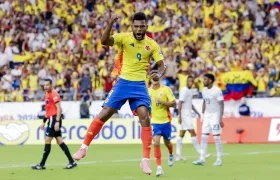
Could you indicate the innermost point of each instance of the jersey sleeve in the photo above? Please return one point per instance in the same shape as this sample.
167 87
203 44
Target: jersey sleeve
118 39
56 98
170 95
157 54
182 95
220 96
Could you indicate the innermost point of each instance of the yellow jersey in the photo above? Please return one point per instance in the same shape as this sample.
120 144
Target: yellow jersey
161 114
136 55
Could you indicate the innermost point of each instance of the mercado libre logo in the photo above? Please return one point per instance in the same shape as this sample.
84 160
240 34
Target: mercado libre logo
13 132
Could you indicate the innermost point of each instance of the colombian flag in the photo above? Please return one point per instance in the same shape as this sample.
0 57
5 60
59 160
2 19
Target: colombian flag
238 84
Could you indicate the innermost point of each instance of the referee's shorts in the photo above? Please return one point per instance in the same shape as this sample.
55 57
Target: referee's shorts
50 129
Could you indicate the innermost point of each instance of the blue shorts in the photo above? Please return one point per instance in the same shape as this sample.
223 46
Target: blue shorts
135 92
163 130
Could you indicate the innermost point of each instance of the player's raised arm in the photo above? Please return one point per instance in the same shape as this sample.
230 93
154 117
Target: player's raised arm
106 39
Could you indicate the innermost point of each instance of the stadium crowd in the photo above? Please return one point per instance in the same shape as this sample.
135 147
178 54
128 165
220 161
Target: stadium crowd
237 40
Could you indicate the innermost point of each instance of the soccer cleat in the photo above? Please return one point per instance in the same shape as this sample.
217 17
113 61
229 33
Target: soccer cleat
159 171
38 167
79 154
170 160
145 166
180 158
71 165
218 163
208 156
198 162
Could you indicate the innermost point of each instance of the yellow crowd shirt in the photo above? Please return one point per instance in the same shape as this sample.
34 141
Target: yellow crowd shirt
160 113
136 56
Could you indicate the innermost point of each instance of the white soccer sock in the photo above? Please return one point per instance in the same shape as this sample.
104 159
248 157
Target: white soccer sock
84 146
204 146
196 144
219 147
179 146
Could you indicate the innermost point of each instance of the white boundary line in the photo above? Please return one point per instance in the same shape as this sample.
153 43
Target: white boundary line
10 166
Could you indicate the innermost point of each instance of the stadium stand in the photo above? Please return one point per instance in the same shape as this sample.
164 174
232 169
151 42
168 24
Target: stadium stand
237 40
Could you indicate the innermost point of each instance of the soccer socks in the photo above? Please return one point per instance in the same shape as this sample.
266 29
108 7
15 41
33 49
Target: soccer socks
204 146
146 137
219 147
179 146
170 148
46 153
93 130
67 152
196 144
157 154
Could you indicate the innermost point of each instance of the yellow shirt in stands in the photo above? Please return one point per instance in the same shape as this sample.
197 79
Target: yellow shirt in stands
160 113
182 80
97 83
24 83
17 96
247 26
33 82
2 96
136 55
262 83
218 10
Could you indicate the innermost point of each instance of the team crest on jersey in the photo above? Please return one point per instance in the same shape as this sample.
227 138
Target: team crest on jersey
47 101
160 93
148 48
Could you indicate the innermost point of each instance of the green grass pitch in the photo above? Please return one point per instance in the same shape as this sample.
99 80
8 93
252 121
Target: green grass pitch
121 162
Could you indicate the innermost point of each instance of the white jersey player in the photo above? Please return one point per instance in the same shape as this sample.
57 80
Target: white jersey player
212 109
185 108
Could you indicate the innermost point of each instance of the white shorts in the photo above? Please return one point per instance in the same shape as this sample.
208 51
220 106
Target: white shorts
211 124
187 123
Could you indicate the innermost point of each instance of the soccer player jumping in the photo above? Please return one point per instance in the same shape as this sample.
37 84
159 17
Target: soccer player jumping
213 110
137 50
53 115
162 98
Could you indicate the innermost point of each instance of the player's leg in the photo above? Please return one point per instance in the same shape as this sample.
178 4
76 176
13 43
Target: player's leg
206 129
195 142
93 130
189 126
216 131
179 145
47 150
146 137
140 102
114 101
166 133
65 149
157 151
